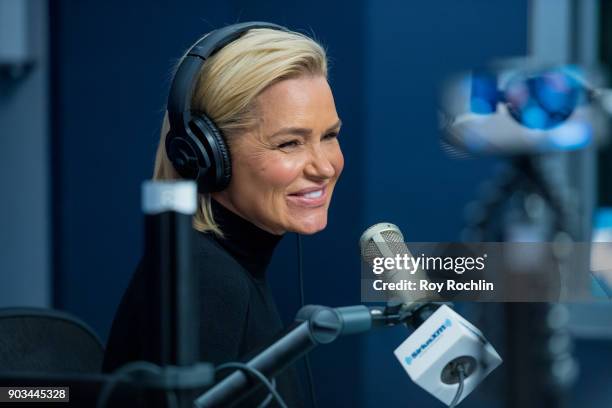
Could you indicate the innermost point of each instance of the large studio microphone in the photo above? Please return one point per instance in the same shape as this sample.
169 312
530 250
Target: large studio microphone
446 355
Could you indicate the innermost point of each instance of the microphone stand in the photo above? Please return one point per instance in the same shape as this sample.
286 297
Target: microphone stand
313 325
530 327
173 307
174 315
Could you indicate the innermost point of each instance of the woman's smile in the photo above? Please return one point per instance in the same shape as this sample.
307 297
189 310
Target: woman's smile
309 197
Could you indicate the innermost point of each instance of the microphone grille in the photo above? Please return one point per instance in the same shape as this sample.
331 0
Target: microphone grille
379 238
392 236
369 251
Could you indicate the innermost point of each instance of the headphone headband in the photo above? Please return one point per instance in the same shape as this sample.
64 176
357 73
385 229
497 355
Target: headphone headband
183 84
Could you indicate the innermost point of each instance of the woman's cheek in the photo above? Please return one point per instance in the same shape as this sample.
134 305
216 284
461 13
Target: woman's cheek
338 160
268 170
282 172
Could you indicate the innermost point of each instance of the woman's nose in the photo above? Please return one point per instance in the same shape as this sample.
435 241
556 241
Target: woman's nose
319 165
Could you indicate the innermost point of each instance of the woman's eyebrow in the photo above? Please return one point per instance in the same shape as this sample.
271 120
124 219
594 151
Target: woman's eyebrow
300 131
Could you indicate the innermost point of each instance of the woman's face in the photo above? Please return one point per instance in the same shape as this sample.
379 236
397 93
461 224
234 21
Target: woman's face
285 170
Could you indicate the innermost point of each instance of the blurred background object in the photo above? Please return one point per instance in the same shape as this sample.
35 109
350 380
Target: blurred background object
17 38
522 106
548 117
25 135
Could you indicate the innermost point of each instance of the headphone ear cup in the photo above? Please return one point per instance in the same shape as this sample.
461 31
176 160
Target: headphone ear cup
219 154
186 155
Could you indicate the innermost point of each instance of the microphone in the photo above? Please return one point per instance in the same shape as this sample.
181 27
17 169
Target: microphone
446 355
385 240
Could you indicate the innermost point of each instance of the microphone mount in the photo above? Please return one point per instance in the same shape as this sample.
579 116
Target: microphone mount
398 312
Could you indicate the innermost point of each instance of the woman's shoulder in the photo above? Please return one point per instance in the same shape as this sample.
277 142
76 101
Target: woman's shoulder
216 267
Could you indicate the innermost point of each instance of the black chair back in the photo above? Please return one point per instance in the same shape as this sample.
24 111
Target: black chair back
44 340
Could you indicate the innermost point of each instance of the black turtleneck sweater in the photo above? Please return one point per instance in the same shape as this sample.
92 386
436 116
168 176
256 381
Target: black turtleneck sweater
238 313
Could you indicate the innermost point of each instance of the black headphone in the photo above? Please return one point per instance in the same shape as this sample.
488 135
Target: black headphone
194 144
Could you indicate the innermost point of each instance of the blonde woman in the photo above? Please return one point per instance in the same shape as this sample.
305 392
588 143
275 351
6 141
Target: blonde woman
268 94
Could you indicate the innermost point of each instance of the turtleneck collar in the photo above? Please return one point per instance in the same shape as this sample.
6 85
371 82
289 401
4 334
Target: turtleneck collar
251 246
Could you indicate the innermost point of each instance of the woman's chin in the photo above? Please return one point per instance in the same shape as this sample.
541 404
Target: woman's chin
309 226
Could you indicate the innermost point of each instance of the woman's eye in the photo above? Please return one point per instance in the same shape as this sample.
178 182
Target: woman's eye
288 145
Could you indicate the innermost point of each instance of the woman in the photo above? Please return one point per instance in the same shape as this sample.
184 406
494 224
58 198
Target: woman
268 93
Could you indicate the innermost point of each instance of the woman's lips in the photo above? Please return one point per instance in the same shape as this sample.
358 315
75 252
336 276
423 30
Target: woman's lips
309 197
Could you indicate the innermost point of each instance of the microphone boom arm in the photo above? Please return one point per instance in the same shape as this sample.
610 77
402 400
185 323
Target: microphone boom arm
313 325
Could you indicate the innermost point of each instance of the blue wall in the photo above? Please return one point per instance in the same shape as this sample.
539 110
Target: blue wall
112 67
111 70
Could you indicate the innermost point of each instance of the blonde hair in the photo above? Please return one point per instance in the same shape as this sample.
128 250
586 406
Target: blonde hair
229 84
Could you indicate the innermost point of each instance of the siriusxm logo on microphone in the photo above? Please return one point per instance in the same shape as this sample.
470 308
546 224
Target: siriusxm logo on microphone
434 336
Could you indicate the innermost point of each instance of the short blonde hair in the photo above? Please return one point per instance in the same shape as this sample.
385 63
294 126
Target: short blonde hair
229 84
